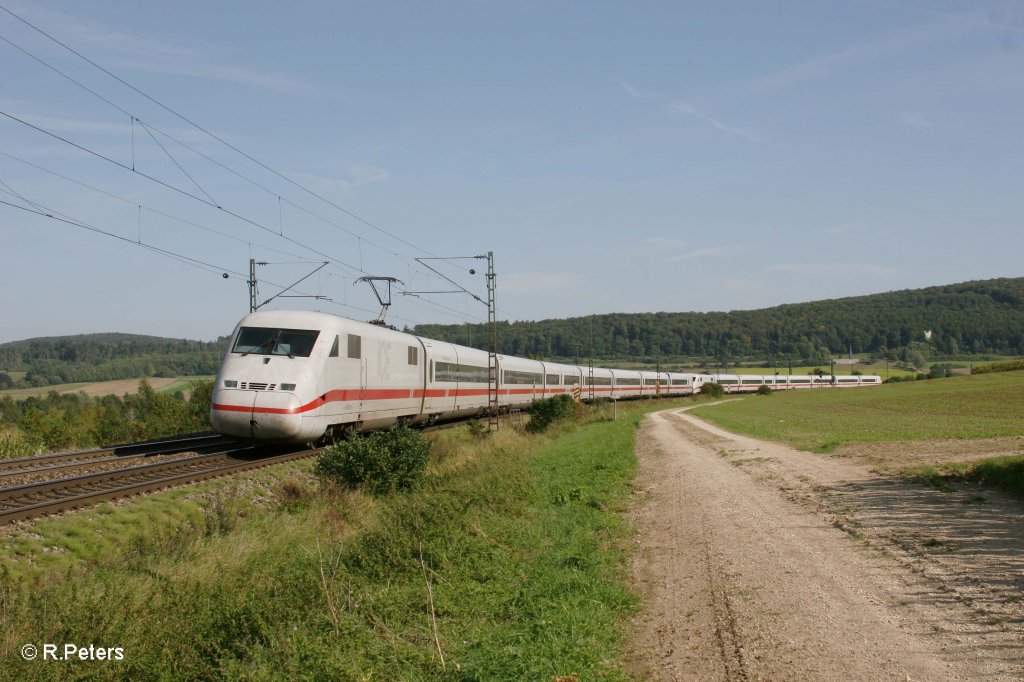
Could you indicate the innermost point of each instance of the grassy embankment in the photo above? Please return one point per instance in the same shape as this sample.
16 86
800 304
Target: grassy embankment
963 408
509 560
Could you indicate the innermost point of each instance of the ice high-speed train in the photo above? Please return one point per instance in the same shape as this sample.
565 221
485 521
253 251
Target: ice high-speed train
299 376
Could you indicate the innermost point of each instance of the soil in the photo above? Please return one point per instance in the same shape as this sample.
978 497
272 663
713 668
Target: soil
760 562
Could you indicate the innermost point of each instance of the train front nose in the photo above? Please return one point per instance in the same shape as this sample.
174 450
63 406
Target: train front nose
260 415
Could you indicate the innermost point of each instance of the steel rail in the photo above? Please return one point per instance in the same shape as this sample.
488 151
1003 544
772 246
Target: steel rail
53 462
24 502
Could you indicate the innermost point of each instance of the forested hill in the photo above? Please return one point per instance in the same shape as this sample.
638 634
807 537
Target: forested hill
101 357
968 318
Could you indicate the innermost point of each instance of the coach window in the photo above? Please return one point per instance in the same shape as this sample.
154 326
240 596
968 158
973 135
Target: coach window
355 346
414 355
334 348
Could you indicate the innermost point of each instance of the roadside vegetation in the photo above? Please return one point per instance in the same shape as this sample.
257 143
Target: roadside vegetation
58 422
1006 366
507 559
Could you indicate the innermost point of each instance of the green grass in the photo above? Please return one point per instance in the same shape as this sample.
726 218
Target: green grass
820 420
1006 473
184 384
511 559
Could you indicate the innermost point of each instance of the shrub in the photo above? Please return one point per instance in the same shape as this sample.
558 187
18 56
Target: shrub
477 428
1007 366
712 390
544 413
383 462
764 390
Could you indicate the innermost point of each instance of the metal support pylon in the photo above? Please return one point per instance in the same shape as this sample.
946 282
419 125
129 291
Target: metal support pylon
492 348
590 376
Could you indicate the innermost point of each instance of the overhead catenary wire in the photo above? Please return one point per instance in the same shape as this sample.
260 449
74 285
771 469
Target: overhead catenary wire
174 188
49 212
150 209
213 135
39 210
175 161
60 217
187 194
150 129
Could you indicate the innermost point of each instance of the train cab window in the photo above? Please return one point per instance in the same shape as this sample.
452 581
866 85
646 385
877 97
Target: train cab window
414 355
273 341
334 348
355 346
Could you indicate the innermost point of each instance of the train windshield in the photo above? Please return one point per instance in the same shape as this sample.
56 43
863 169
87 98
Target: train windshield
295 343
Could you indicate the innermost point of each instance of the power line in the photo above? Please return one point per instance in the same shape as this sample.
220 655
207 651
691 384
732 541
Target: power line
209 199
188 194
187 260
176 189
149 128
147 208
60 217
214 136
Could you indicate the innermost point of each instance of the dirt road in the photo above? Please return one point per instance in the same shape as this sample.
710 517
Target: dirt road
761 562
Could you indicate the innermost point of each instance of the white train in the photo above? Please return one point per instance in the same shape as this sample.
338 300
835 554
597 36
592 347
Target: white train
298 376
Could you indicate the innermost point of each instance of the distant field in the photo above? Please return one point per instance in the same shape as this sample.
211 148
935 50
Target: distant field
101 388
968 407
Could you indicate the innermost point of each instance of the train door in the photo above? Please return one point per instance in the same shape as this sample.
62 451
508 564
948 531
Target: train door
344 376
354 372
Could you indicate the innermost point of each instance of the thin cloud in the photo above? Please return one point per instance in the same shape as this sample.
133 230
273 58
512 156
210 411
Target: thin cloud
915 120
999 15
140 52
701 253
823 66
358 176
59 124
637 92
687 109
663 243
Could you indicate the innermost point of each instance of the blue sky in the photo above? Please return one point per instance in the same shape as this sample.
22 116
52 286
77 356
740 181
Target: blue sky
616 157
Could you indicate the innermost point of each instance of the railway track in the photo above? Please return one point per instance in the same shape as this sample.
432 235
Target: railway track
216 456
50 497
69 460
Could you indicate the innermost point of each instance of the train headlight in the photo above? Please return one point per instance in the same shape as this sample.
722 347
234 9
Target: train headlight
287 387
230 384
